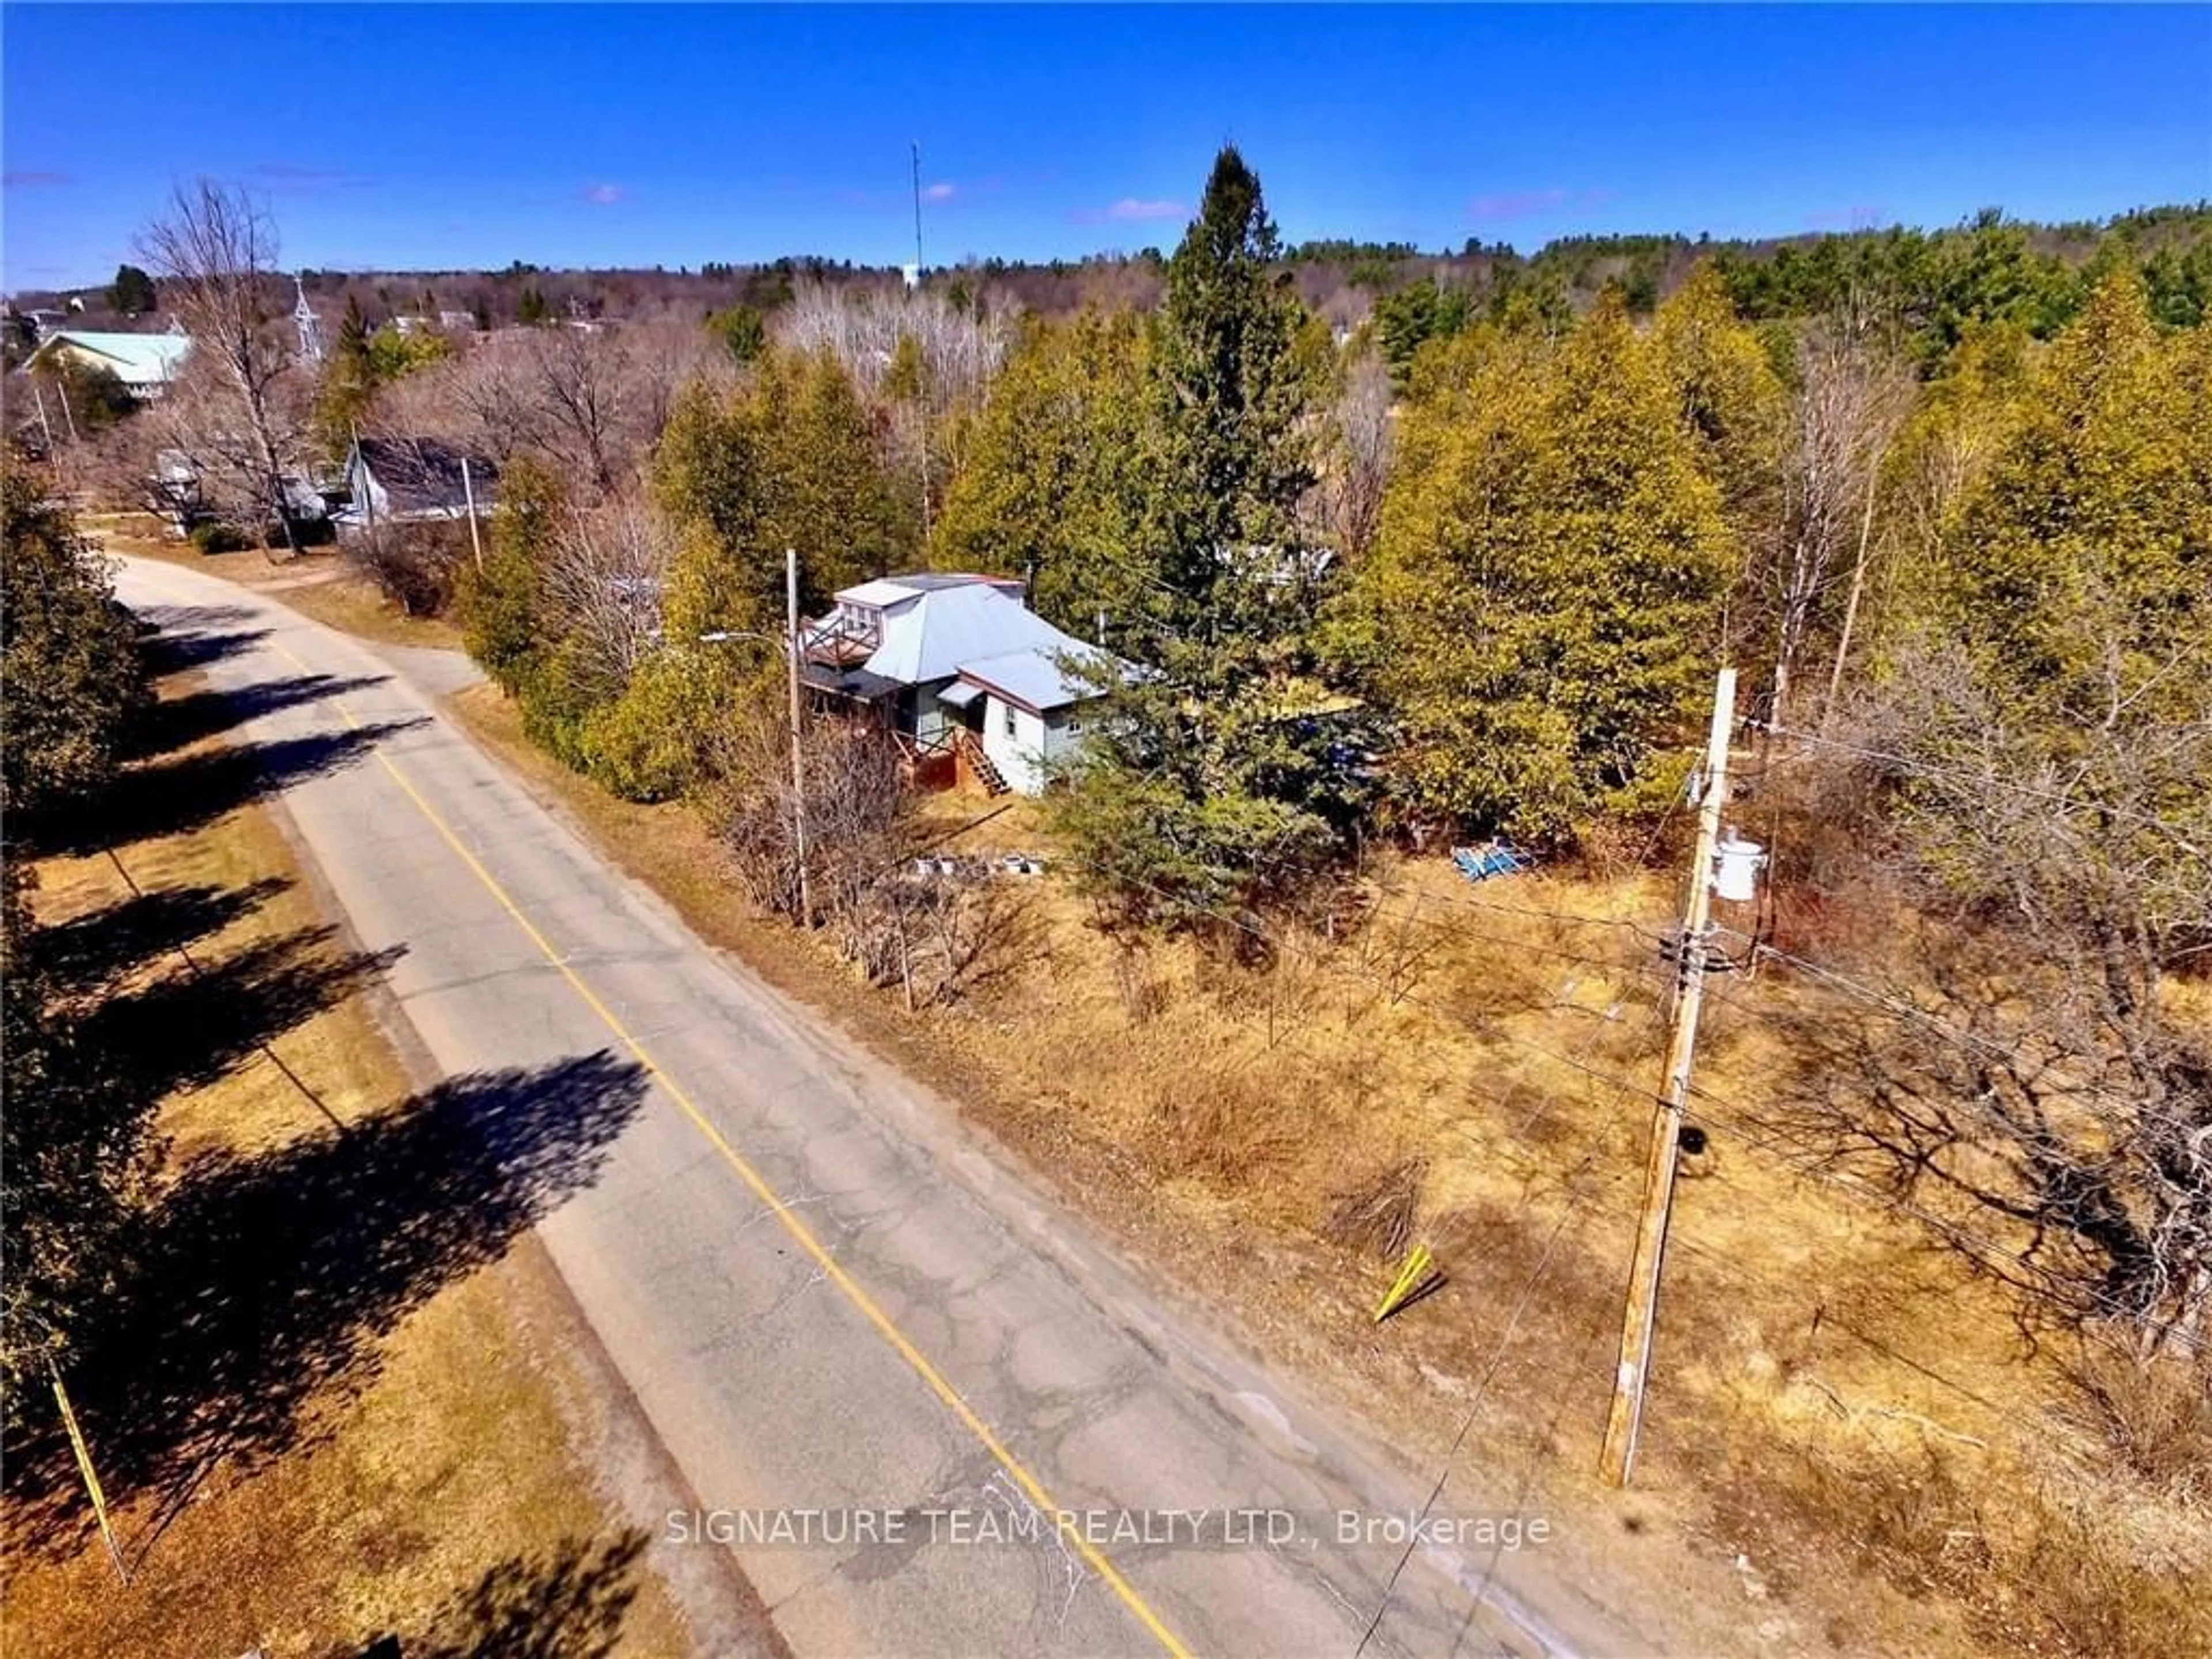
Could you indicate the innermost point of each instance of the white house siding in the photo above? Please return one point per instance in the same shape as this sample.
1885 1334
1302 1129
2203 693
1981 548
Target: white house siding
1023 754
1018 753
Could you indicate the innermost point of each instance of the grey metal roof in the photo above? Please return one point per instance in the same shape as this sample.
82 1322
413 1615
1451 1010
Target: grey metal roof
928 638
887 592
856 682
1033 677
424 475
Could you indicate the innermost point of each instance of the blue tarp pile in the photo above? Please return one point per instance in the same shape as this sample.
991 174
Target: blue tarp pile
1481 863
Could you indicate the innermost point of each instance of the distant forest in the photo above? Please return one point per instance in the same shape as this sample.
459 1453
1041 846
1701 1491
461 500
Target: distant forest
1930 283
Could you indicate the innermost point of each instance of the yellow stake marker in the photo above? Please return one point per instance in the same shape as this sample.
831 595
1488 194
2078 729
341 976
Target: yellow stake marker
91 1478
1417 1268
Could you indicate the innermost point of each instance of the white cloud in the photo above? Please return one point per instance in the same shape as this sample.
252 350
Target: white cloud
940 191
603 195
1132 209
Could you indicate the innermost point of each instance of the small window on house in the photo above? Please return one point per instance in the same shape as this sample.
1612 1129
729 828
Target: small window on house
1073 723
1009 708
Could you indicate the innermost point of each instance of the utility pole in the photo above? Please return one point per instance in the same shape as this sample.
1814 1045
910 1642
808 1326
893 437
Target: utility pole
368 494
1640 1316
922 357
53 449
476 535
797 650
47 425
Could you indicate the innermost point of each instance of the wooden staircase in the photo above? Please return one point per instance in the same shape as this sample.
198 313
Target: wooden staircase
984 769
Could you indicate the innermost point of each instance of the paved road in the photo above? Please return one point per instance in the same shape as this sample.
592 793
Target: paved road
822 1292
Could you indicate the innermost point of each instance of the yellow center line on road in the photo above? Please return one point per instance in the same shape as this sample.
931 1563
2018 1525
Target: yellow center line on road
800 1233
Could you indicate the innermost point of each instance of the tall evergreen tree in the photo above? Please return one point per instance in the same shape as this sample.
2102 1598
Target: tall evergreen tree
787 460
1222 778
829 495
1541 601
349 379
503 624
76 1145
1730 398
71 665
132 291
1053 484
1230 397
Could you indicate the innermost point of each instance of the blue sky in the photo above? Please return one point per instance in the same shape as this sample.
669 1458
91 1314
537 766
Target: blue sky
464 136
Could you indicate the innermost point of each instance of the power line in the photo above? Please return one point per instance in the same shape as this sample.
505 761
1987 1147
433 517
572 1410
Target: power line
1529 1172
1901 1009
1579 1064
1569 1208
1950 1230
1973 1244
1567 1211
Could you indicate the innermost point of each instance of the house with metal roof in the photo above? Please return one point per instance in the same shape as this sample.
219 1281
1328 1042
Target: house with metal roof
396 481
960 671
145 363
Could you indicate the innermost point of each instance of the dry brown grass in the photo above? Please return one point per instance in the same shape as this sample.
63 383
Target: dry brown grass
1447 1074
450 1491
318 585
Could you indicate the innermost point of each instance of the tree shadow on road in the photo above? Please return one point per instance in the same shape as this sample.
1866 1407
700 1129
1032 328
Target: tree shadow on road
194 637
179 722
263 1283
172 797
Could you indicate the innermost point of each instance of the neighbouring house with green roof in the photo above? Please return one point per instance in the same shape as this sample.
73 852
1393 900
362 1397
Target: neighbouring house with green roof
145 363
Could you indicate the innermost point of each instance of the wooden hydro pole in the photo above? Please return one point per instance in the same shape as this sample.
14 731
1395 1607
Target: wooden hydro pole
1639 1316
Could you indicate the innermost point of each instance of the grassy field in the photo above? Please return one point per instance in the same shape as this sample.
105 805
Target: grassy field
337 1401
1846 1428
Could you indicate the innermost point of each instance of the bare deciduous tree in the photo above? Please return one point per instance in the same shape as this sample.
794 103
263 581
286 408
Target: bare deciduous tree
591 401
601 590
1358 446
1844 415
955 933
961 351
192 448
2025 1067
214 251
857 803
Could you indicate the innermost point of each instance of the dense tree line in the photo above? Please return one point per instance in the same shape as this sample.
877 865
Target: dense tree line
2029 754
1543 601
1926 290
1463 571
1795 275
76 1153
1966 537
593 608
